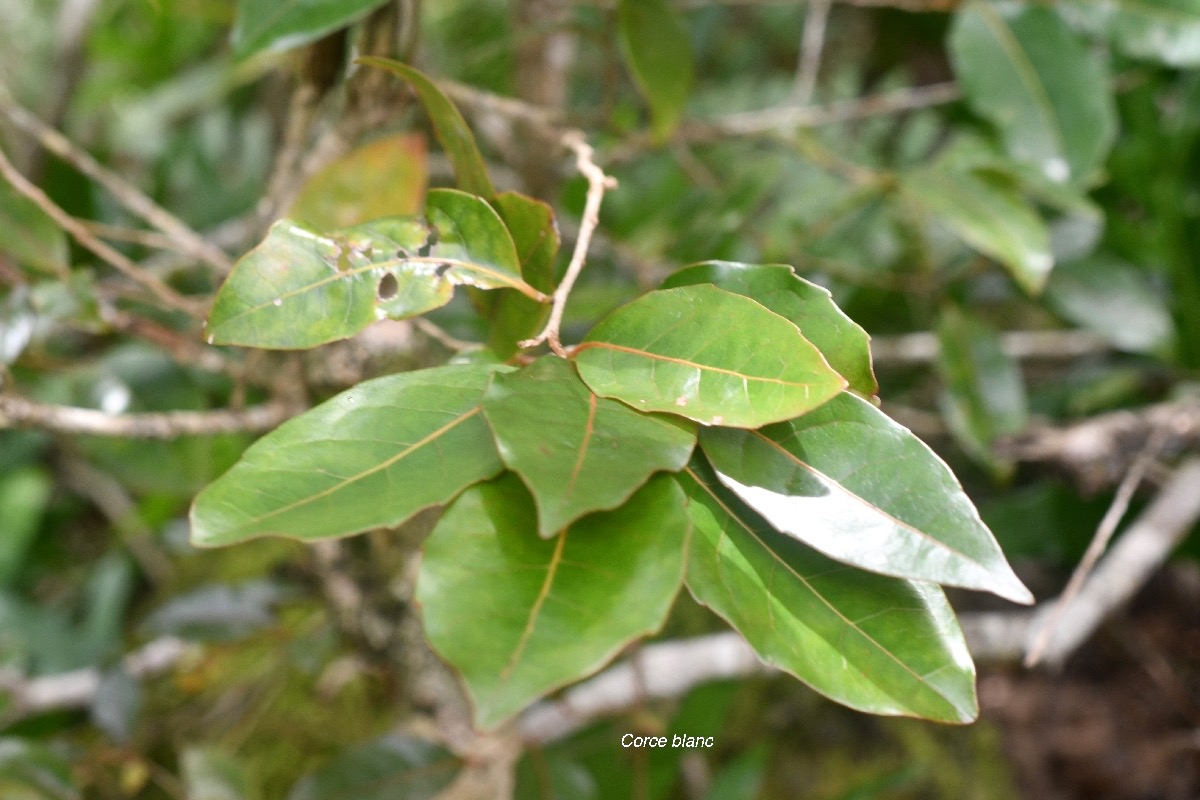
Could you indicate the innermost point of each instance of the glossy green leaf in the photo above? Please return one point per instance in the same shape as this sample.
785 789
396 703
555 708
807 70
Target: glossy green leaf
576 452
370 457
512 316
28 236
261 25
1167 31
1115 300
389 768
706 354
213 774
988 216
874 643
519 616
1024 70
845 345
448 125
984 394
300 289
849 482
658 52
383 178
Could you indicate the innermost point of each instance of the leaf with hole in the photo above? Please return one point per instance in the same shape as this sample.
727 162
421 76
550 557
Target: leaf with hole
448 125
1026 71
708 355
576 452
300 289
519 616
845 345
848 481
877 644
370 457
263 25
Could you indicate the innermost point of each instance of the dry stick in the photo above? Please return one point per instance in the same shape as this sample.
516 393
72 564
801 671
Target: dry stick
183 238
811 46
1145 545
1104 533
81 234
18 412
598 182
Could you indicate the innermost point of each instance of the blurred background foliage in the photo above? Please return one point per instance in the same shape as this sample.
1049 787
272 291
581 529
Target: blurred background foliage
942 217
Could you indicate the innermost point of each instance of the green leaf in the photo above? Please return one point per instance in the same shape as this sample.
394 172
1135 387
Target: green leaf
988 216
708 355
212 774
283 24
845 345
370 457
384 178
658 52
394 766
1167 31
984 395
877 644
1023 69
848 481
519 616
513 317
24 494
448 125
577 453
300 289
28 236
1116 301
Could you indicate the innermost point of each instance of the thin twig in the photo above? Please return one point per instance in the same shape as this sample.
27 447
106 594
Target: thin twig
812 44
792 117
118 233
440 336
1104 533
81 234
18 412
598 183
182 237
922 348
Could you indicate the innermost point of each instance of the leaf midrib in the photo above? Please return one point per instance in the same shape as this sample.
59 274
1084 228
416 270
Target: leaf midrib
685 362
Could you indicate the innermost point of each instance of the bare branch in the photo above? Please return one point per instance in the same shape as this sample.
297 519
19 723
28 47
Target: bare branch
1104 533
922 348
182 237
17 412
668 669
811 46
168 296
598 183
78 688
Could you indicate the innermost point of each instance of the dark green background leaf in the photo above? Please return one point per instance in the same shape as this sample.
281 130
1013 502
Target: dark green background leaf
281 24
706 354
577 453
513 317
1023 69
389 768
519 616
369 458
659 54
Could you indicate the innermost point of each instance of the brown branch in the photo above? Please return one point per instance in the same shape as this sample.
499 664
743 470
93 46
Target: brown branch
812 44
168 296
18 412
598 183
1099 451
182 237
